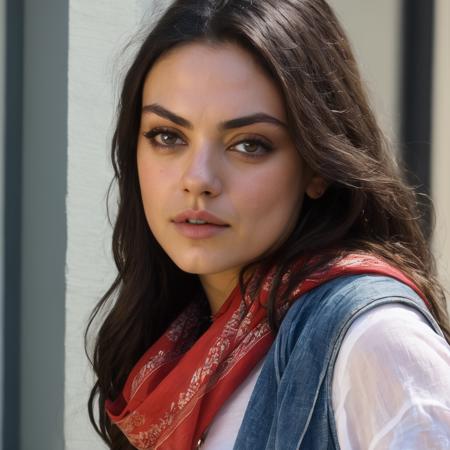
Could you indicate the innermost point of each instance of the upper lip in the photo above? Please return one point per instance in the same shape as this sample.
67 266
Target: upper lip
198 215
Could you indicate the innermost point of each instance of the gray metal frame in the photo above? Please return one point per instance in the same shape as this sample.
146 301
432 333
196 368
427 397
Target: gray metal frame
35 223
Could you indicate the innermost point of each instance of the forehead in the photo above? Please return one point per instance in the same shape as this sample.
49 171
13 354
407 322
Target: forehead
223 78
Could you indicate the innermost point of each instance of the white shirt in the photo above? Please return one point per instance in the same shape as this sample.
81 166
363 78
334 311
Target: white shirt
390 390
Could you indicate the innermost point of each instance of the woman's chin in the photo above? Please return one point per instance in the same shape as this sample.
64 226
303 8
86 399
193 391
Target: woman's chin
203 266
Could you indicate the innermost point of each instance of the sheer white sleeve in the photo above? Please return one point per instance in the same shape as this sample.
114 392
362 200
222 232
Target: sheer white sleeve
391 383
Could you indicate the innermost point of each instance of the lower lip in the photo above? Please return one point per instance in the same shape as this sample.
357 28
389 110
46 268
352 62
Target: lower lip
199 231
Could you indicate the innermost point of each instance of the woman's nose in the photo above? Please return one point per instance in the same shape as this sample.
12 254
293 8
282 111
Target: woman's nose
201 175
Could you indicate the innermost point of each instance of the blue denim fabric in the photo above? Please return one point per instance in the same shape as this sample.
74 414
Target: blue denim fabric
290 407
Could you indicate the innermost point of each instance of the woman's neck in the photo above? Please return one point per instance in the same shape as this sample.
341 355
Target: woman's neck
218 287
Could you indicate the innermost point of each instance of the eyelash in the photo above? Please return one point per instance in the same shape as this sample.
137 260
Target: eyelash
150 135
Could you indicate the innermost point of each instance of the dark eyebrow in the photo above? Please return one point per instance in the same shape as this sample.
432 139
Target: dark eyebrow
227 125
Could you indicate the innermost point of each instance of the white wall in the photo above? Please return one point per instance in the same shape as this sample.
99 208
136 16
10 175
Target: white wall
98 31
440 167
374 29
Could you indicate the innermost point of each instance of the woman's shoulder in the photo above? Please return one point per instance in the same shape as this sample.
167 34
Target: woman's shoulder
392 358
360 288
338 302
394 331
319 320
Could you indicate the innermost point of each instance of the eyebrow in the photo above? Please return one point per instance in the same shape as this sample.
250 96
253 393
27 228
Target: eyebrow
226 125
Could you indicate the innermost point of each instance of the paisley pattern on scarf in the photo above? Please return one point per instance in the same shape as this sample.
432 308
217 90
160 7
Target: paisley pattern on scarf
182 380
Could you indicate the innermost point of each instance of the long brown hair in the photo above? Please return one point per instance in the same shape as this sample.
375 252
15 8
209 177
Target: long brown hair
367 206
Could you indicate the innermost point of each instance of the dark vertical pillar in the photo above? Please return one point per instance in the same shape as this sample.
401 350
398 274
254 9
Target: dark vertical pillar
13 205
418 20
43 233
35 177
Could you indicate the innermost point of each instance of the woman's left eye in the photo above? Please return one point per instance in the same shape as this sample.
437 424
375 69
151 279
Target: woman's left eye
253 147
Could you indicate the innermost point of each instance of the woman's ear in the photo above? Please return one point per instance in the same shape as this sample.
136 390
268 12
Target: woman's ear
316 187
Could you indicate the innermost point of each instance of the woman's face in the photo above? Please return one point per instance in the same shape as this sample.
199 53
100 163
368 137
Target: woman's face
214 150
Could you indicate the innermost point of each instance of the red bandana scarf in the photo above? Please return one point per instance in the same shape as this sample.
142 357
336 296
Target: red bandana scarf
178 385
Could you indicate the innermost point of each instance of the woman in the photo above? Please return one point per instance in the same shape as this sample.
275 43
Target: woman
274 287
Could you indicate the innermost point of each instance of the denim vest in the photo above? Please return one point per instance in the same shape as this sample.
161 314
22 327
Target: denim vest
290 407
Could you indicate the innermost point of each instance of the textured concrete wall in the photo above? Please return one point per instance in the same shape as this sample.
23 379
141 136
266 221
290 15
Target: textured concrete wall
98 32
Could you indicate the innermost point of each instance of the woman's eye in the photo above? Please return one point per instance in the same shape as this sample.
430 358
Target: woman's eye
163 138
253 147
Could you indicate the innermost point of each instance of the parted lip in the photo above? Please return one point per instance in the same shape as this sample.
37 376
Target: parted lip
198 215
